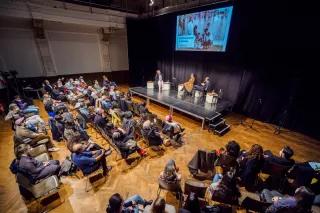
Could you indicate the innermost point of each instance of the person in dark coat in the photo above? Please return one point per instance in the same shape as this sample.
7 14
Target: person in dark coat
34 169
152 134
251 163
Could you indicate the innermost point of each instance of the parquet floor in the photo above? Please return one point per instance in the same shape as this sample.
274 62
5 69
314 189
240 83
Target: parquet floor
142 179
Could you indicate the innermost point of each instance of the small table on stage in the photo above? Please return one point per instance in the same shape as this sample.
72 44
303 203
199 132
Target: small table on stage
150 84
29 89
166 85
212 98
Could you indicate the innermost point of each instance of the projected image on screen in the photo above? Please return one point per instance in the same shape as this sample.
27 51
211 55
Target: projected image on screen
204 31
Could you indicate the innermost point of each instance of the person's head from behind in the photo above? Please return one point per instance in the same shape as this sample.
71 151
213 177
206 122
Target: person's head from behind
158 72
105 78
192 203
256 151
286 152
116 135
233 148
46 82
22 149
115 203
170 167
78 148
146 124
159 205
304 198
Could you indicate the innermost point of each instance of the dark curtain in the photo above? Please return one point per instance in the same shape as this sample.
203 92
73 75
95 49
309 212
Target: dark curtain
268 71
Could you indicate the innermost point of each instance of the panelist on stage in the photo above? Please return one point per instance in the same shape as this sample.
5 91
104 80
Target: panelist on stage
205 85
159 79
188 86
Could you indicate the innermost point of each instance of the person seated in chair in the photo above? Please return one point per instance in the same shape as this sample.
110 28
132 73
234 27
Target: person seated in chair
128 125
47 86
34 169
100 119
300 202
96 85
142 109
24 133
20 103
188 86
192 204
225 190
172 129
250 164
126 144
90 161
284 158
130 205
152 134
170 174
204 86
227 160
159 206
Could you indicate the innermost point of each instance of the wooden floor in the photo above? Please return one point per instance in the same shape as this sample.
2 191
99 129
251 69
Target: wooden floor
142 179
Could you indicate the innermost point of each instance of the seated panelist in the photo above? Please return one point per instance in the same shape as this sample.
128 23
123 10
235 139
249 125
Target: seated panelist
205 85
188 86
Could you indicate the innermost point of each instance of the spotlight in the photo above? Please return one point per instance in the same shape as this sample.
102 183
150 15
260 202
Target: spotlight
151 2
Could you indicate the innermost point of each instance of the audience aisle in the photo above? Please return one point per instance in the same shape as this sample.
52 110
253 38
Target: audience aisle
142 179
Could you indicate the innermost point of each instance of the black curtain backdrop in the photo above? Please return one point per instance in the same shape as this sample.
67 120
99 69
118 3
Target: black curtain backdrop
271 55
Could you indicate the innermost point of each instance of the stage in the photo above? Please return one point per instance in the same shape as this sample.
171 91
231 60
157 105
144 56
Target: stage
196 107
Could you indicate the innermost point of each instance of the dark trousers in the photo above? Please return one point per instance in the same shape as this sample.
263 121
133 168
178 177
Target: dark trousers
52 169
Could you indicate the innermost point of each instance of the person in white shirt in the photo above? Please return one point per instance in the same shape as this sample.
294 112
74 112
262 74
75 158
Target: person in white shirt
159 79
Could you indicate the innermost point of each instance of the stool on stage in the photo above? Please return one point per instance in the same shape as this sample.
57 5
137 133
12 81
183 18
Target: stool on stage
180 87
212 98
150 85
197 94
166 85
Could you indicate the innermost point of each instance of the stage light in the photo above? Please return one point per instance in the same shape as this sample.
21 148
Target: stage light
151 2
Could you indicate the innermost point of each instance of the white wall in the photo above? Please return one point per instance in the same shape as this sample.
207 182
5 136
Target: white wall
74 53
19 52
119 52
71 48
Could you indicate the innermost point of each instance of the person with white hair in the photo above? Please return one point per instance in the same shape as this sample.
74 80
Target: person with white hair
126 144
152 133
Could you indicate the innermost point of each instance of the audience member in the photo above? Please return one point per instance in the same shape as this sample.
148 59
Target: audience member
251 163
118 205
90 161
301 202
34 169
284 158
159 206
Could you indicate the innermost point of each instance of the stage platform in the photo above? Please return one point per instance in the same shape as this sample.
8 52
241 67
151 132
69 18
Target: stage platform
196 107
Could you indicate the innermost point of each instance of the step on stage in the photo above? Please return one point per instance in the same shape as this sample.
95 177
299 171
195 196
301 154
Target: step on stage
196 107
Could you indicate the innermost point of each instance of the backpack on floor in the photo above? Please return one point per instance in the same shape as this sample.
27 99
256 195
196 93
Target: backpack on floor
67 168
